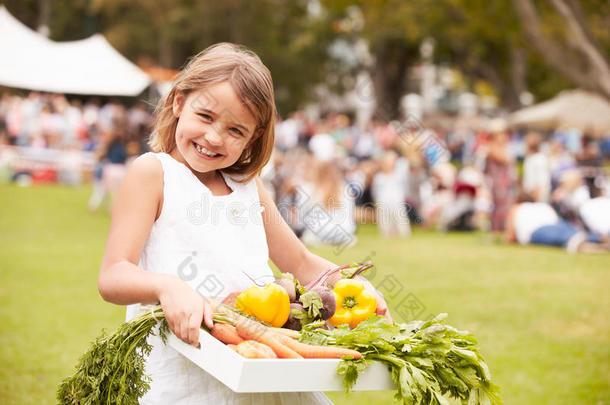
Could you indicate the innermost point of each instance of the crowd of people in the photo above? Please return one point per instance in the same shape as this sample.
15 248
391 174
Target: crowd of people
54 136
462 178
328 174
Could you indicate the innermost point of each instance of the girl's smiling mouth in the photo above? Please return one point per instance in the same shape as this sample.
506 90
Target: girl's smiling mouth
206 153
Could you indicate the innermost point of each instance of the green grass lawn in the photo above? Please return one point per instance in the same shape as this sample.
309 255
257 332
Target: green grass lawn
540 315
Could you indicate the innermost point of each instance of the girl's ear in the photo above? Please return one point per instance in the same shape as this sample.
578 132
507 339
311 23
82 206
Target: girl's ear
178 103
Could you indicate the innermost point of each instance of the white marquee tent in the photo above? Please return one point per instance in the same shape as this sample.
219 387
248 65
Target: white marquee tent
570 109
92 66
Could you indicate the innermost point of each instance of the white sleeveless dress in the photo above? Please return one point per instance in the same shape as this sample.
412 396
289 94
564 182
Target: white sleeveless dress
211 242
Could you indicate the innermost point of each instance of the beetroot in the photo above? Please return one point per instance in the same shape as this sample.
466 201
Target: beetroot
296 314
288 285
328 300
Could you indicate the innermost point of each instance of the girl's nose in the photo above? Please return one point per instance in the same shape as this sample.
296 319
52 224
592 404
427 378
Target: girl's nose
213 137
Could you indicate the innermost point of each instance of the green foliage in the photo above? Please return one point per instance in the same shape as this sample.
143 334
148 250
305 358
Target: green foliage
483 39
112 370
312 303
427 359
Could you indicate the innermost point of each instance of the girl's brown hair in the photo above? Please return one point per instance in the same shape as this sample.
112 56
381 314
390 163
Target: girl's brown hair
250 79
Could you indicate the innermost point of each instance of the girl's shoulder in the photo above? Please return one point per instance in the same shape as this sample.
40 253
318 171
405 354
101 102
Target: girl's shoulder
142 186
147 167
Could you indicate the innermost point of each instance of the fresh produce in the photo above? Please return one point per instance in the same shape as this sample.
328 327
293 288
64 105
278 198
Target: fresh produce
354 303
428 360
317 304
269 304
251 330
252 349
112 370
318 351
297 314
288 285
231 299
329 302
347 271
226 334
293 334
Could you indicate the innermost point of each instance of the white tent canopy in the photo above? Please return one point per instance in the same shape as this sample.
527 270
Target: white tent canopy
570 109
89 66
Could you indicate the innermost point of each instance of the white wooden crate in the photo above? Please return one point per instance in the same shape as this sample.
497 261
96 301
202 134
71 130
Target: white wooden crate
275 375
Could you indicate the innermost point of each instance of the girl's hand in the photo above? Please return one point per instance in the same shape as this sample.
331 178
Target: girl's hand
184 309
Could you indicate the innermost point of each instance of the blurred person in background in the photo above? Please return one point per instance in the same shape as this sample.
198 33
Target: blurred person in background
559 160
287 133
536 169
595 214
364 145
322 144
460 213
14 120
360 178
500 171
437 193
590 160
112 155
389 190
537 223
571 193
325 189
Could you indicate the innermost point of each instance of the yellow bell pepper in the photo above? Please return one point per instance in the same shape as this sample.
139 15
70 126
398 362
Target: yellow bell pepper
269 304
354 303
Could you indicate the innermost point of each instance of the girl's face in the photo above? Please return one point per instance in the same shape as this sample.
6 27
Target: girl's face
214 128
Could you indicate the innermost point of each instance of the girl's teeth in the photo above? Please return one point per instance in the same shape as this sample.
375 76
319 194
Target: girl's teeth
203 150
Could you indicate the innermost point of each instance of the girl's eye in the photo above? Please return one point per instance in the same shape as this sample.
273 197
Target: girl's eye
205 116
236 131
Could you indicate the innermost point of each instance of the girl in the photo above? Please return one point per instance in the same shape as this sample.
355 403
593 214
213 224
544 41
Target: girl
192 220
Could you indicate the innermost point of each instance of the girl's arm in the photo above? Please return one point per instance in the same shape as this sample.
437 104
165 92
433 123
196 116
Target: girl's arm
290 255
121 281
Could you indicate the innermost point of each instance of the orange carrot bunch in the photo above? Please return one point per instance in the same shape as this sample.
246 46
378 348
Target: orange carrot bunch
252 339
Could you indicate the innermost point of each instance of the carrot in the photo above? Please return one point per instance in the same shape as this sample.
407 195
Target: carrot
286 332
251 330
231 299
254 350
318 352
226 334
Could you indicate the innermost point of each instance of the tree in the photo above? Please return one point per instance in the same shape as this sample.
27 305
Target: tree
576 54
484 40
393 30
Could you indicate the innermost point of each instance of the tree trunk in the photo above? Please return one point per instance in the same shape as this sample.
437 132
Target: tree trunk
165 50
595 75
392 60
